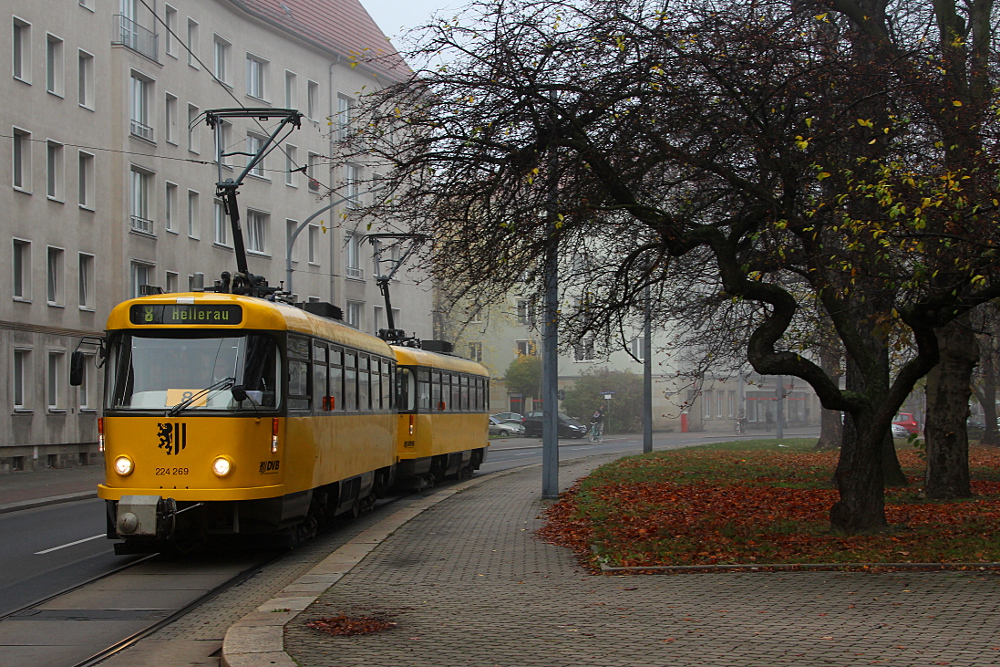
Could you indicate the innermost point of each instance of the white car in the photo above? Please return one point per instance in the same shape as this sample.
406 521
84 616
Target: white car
505 429
899 431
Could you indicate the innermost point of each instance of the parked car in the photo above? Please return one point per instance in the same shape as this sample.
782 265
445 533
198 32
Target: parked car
906 420
899 431
513 417
568 427
505 429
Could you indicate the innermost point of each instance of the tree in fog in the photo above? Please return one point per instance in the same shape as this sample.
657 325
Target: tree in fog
784 156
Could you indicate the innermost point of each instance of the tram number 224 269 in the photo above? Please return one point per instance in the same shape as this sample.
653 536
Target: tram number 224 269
172 471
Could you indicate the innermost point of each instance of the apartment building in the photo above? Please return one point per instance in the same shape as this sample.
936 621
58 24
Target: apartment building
112 173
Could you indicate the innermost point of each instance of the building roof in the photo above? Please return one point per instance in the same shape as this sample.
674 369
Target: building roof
342 27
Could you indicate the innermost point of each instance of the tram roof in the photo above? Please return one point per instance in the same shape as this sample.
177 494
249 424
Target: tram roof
257 314
411 356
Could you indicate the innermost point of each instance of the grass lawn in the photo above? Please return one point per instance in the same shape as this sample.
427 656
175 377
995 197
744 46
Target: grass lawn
765 502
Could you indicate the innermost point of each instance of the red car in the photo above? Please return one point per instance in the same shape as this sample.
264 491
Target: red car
906 420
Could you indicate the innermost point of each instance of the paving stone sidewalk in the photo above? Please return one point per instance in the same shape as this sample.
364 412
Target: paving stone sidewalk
469 584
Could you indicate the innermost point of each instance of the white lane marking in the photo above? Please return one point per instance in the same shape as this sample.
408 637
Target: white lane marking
71 544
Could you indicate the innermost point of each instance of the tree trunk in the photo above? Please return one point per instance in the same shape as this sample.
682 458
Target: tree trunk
949 386
861 508
831 426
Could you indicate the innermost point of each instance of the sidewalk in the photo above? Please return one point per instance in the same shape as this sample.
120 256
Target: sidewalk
467 583
24 490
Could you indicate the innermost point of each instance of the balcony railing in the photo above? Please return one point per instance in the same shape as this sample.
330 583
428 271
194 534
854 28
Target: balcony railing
141 130
141 224
129 33
355 272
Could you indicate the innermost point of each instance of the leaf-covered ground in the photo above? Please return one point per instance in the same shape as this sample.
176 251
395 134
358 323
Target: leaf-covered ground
764 502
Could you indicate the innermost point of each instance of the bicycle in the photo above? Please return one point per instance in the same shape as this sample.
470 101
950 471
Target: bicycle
596 433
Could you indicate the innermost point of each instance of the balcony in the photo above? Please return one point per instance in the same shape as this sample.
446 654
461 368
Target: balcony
129 33
140 224
141 130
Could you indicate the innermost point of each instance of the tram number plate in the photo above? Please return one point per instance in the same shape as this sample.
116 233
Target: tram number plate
172 471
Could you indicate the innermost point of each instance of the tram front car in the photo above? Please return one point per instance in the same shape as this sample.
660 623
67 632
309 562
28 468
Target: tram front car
191 428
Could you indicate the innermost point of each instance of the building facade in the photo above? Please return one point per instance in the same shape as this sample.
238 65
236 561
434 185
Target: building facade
112 172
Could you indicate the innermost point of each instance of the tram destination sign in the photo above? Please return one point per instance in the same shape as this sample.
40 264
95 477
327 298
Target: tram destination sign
183 313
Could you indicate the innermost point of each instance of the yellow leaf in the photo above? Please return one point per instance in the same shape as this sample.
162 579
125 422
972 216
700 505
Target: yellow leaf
957 103
822 175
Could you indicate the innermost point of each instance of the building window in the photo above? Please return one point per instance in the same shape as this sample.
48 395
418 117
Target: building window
192 214
291 165
170 208
476 351
256 231
639 348
85 180
86 281
290 90
54 171
193 144
345 115
290 227
139 119
141 274
22 270
314 244
352 258
21 167
54 65
222 142
20 378
312 100
352 177
220 50
84 390
354 309
139 200
85 80
53 385
524 312
173 282
256 73
526 348
170 27
192 43
254 144
584 350
221 224
54 273
378 316
170 119
311 160
22 50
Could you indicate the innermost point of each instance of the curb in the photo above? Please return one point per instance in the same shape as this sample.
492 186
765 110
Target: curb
258 639
42 502
806 567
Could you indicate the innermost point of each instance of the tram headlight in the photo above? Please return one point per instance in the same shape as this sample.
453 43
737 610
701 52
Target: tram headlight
222 466
123 466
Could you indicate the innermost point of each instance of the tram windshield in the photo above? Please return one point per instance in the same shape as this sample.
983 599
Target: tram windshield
147 372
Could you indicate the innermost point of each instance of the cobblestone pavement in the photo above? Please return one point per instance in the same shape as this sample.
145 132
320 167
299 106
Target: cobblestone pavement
468 584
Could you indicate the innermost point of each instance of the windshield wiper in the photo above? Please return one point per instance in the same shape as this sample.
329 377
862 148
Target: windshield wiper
224 383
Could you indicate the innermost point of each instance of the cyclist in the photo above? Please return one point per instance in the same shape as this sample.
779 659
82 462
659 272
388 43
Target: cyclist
597 425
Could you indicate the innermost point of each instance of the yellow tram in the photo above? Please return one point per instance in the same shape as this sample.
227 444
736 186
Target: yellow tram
228 414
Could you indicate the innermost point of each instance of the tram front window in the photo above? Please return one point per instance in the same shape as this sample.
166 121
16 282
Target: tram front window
156 373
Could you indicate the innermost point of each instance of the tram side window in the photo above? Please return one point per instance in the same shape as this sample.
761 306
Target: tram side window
298 373
321 397
423 390
386 384
350 381
337 378
436 391
406 390
376 384
364 378
456 393
465 393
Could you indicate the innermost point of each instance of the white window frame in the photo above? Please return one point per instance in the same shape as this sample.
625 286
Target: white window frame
352 185
476 350
85 81
170 191
21 375
55 276
54 387
140 94
140 205
21 269
86 287
353 316
256 228
313 238
311 161
194 145
85 392
352 257
170 118
140 270
21 50
290 227
312 99
583 351
254 144
55 171
193 206
221 53
345 116
291 84
86 186
220 224
170 30
192 43
55 81
21 160
291 165
173 282
257 77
